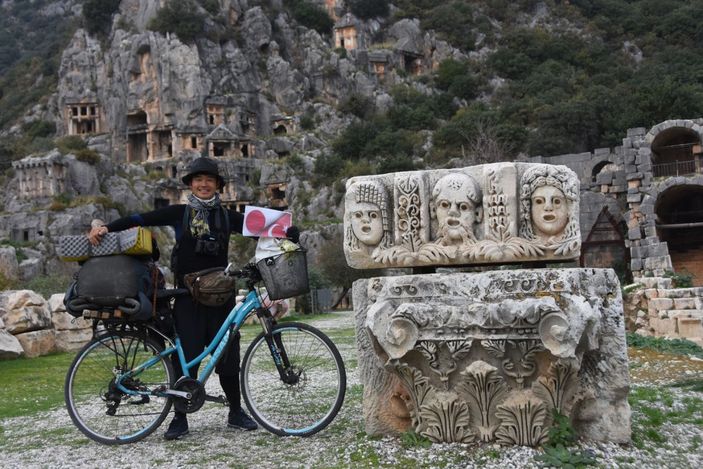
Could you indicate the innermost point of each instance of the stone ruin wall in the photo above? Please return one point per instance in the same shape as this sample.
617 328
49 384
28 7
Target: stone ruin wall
623 180
462 357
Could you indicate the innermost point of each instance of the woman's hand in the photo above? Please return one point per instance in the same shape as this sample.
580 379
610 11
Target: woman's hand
96 234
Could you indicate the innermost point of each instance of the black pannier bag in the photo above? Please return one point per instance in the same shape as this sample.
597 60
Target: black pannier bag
125 283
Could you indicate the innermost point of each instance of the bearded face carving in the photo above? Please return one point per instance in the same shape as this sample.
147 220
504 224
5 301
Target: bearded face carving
456 199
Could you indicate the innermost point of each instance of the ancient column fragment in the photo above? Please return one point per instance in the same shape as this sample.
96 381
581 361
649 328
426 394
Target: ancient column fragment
492 356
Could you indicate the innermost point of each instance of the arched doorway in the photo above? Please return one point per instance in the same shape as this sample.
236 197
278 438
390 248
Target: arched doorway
676 151
679 212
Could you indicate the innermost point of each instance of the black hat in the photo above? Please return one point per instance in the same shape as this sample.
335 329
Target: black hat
203 165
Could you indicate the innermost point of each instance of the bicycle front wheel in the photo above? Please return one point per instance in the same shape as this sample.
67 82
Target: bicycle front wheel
98 408
310 396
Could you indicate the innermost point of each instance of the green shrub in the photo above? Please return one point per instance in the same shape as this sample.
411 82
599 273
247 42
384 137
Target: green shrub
366 9
410 439
88 155
351 142
660 344
359 105
328 166
70 144
47 285
180 17
680 279
60 202
312 16
97 15
307 121
396 163
212 6
39 129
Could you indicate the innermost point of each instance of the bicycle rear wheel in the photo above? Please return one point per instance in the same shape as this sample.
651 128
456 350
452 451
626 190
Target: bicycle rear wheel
315 391
98 408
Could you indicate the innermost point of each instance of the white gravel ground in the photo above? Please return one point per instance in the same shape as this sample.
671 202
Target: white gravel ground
50 440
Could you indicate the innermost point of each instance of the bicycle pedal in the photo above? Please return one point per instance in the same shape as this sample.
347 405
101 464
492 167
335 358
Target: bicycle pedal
218 399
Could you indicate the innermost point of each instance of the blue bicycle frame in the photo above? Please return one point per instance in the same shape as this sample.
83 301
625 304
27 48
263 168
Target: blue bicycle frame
237 316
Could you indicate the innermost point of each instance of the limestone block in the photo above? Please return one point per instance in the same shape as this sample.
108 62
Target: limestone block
651 293
663 326
23 311
9 267
691 328
660 304
685 313
10 347
71 340
685 303
37 343
29 269
63 321
502 212
474 350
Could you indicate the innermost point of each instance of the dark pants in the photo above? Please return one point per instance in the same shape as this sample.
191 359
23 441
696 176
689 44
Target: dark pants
196 326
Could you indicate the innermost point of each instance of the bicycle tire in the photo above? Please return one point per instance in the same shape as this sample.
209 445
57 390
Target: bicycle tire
303 408
97 408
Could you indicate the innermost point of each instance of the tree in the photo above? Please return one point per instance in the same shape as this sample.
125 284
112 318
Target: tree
97 15
180 17
366 9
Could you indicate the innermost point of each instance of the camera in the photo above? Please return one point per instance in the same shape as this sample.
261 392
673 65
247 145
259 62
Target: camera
207 245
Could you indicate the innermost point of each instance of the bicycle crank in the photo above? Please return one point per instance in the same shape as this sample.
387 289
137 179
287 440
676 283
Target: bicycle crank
193 388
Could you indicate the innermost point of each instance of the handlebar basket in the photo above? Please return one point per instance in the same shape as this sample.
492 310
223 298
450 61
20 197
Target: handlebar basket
285 275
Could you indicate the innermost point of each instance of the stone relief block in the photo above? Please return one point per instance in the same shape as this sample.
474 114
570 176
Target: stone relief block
502 212
490 356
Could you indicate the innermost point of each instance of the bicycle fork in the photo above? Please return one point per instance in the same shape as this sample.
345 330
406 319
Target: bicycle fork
278 352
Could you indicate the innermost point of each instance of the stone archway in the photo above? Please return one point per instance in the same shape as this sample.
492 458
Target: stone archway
676 148
679 214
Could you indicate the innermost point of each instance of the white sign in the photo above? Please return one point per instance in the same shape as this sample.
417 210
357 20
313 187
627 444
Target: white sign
266 222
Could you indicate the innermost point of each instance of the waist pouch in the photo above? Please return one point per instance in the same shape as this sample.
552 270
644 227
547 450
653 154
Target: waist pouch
210 287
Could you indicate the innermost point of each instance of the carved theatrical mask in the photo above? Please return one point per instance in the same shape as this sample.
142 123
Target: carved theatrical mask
367 223
457 207
550 212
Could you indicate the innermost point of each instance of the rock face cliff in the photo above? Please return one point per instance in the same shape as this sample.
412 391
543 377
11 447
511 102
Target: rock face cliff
244 91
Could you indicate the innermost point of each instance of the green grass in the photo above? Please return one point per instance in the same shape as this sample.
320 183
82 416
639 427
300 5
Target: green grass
653 407
33 385
660 344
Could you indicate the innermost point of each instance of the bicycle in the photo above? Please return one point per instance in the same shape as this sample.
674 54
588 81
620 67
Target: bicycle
120 387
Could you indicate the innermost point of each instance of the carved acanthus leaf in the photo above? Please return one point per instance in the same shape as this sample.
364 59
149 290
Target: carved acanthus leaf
447 422
522 421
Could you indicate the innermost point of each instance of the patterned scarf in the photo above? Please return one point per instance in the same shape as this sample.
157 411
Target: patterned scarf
198 224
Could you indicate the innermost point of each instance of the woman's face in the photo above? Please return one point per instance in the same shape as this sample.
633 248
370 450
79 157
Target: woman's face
549 211
366 223
203 186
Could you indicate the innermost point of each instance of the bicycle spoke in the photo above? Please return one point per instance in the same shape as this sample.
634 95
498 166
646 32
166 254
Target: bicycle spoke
98 407
303 407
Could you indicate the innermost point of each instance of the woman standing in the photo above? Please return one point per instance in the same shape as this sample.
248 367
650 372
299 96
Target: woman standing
203 227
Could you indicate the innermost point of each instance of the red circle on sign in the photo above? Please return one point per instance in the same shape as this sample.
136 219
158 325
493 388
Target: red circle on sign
277 231
256 221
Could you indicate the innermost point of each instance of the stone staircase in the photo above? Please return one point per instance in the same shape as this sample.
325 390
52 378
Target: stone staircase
673 312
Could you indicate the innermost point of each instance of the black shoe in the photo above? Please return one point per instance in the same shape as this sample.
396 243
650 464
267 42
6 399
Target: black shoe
177 428
238 419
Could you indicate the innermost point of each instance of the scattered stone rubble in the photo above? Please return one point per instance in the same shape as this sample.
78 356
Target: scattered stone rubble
31 326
